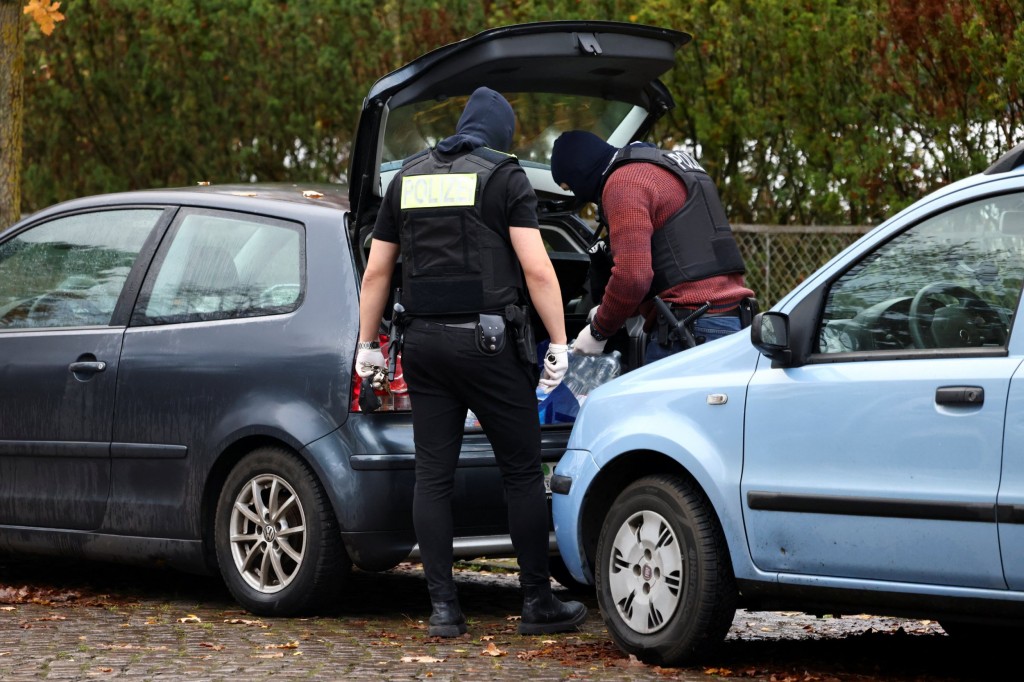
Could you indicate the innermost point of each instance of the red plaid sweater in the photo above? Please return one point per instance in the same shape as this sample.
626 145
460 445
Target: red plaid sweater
637 199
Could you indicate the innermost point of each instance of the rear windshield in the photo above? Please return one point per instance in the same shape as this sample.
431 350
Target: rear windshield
540 119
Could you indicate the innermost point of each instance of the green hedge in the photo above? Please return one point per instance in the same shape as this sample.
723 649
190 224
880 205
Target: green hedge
805 111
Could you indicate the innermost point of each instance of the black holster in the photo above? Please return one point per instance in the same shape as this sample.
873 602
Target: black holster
518 318
490 334
748 308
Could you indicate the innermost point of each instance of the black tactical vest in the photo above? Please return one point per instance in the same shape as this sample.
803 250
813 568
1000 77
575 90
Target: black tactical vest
696 242
452 262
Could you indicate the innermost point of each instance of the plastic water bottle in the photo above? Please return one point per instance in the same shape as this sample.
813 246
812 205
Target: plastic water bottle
576 375
587 372
609 367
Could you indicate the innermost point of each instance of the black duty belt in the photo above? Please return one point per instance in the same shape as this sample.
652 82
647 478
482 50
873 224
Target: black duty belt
682 311
455 325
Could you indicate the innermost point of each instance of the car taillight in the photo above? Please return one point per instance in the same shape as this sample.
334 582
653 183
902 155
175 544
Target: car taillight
395 400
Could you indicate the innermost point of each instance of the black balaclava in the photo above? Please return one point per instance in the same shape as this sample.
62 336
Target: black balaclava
487 121
580 159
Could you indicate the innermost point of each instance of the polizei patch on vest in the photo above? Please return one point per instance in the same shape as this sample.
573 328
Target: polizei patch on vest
684 161
434 191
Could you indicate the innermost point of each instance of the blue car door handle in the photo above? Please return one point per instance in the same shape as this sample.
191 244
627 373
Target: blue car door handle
86 367
960 395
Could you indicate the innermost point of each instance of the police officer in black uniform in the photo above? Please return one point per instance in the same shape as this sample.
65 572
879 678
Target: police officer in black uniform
463 216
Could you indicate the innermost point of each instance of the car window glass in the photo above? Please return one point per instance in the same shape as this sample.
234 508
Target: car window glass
69 272
952 281
557 240
220 266
540 119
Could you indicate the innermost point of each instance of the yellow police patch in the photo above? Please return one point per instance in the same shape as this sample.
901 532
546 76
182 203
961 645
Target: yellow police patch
435 191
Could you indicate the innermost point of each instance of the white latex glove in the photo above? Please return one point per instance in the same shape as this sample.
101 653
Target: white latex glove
367 362
592 314
586 344
556 362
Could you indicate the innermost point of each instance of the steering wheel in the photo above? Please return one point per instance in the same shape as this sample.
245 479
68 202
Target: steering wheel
62 309
969 322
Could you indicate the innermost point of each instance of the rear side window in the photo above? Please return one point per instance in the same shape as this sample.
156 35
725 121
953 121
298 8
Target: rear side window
69 272
221 265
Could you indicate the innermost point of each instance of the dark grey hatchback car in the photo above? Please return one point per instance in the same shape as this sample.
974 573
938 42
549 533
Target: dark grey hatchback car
176 366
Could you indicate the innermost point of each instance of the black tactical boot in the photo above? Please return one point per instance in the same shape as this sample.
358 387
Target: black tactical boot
446 619
543 614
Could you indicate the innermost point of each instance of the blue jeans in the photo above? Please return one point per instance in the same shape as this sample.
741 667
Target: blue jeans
710 328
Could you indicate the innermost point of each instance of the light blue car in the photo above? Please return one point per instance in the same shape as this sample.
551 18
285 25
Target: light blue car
860 449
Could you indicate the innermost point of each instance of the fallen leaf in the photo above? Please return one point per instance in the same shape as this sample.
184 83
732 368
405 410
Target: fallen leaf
421 659
44 13
245 621
215 647
493 650
311 194
286 645
8 608
190 618
513 619
5 653
133 647
487 638
203 183
245 194
276 654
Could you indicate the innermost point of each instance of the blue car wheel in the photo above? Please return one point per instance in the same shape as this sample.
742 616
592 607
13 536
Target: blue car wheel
664 579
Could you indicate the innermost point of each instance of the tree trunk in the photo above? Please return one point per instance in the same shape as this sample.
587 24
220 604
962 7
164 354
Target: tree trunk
12 76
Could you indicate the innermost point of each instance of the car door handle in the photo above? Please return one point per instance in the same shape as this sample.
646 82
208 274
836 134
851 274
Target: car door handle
960 395
87 367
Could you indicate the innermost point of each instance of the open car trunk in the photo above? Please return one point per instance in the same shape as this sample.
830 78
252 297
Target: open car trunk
599 76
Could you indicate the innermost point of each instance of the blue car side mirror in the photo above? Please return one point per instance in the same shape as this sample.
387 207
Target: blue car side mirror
769 332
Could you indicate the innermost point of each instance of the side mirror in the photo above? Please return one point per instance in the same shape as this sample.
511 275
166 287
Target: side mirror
769 332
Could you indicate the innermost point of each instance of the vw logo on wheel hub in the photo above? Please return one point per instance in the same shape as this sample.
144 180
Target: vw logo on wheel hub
269 532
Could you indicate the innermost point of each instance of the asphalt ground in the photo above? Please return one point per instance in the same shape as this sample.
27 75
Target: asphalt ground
83 621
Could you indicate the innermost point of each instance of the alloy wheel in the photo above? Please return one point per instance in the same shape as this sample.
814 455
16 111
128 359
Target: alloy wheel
268 533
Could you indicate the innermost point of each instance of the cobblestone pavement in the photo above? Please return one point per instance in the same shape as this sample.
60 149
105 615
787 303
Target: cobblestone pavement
72 621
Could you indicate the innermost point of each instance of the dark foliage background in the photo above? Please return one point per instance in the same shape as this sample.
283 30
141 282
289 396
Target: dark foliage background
804 111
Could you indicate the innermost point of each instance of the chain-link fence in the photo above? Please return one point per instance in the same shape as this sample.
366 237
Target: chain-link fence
778 257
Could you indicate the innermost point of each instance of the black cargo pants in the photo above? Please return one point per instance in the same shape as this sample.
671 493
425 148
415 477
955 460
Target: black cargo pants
447 374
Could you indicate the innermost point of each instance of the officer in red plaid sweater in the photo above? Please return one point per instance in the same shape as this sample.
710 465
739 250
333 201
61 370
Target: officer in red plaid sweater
668 236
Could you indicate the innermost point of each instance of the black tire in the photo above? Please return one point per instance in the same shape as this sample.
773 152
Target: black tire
561 573
664 579
306 565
